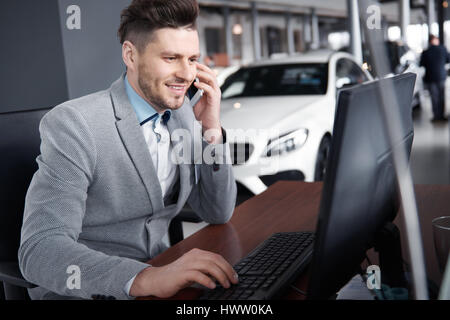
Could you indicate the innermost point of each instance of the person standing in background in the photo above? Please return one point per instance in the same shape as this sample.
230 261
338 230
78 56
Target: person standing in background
434 60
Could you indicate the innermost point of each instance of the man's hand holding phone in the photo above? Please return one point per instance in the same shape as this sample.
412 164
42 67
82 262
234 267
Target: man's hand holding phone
207 110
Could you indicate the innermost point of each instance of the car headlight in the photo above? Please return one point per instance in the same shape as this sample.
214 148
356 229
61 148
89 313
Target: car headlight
287 142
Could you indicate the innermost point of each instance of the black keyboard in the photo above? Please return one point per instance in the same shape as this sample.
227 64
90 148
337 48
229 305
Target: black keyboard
269 269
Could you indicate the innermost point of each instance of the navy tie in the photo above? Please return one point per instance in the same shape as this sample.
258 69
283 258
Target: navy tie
166 117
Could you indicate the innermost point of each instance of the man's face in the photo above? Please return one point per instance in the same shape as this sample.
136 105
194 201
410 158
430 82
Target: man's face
168 66
435 41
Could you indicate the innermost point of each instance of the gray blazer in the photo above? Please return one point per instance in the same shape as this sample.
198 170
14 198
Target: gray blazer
96 203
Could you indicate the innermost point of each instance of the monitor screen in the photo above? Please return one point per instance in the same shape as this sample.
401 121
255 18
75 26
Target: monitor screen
360 190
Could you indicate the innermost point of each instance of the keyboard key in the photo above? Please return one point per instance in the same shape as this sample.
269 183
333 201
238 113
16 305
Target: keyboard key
266 285
244 270
246 295
254 272
254 286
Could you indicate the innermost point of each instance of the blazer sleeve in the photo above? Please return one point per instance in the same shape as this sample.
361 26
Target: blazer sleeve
213 198
54 209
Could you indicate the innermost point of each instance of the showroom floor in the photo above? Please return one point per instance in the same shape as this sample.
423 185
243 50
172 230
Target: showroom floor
430 160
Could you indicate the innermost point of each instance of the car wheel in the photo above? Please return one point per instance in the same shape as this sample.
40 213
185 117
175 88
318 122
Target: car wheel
322 158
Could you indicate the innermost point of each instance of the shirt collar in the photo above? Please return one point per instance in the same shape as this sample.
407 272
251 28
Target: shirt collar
144 111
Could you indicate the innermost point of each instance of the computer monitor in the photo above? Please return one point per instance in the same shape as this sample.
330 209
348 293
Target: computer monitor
360 190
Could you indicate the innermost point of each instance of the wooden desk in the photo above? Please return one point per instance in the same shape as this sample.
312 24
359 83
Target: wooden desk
292 206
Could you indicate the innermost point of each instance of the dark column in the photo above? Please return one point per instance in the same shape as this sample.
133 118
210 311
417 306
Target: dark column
440 9
45 61
32 55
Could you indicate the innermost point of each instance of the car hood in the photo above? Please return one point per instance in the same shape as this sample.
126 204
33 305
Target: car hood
263 112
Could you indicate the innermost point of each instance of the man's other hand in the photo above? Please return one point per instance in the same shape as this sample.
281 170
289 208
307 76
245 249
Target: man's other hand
196 266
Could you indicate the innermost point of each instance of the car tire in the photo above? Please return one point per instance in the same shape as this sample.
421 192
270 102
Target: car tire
322 158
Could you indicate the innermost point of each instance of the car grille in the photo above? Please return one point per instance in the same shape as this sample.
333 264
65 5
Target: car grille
241 152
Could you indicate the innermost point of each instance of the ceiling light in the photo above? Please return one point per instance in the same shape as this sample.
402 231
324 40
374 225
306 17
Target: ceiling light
237 29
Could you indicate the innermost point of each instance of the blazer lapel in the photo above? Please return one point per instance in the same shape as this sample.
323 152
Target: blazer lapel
133 140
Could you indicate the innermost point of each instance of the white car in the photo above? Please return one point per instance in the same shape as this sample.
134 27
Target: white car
279 116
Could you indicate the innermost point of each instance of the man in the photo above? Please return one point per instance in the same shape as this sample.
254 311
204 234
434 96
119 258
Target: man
434 60
108 185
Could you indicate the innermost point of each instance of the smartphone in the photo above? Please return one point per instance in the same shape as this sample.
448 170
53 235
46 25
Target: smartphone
194 94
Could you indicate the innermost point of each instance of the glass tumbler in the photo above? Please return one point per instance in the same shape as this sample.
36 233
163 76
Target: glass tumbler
441 235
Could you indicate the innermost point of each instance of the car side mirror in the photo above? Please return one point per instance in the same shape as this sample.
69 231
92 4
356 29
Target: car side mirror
341 82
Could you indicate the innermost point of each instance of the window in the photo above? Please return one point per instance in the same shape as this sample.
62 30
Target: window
277 80
215 41
349 73
276 38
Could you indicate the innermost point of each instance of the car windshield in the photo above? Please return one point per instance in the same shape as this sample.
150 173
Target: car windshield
277 80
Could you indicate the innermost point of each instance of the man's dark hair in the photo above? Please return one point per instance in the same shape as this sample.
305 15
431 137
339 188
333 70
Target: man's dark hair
142 17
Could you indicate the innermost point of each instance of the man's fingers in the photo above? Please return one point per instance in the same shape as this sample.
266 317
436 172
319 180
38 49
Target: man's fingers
198 255
206 72
207 88
199 277
227 268
207 78
223 265
204 68
213 270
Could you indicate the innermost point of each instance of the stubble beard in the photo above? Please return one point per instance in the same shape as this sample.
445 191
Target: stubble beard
152 96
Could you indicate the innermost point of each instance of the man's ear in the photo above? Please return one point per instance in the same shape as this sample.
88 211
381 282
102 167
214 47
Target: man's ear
130 55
